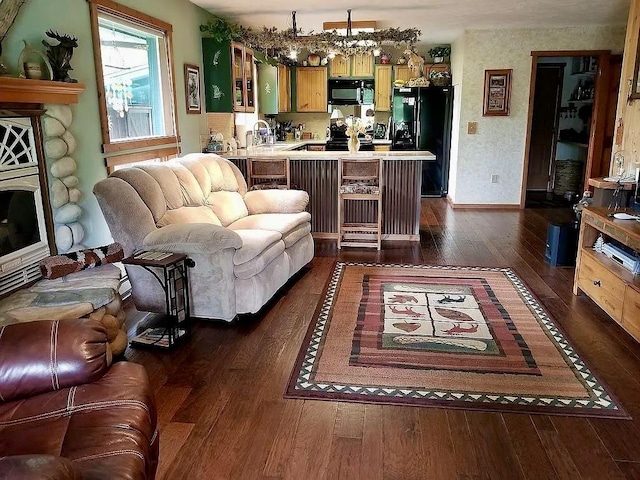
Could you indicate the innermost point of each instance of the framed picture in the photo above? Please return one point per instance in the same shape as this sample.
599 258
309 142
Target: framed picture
192 88
497 87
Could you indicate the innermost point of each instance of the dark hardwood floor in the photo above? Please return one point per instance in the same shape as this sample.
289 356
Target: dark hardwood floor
222 414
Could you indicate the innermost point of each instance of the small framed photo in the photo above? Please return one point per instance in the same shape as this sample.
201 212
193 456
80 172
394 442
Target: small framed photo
497 89
192 88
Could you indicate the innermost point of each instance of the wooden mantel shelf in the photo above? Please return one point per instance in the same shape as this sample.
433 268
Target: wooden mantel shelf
22 90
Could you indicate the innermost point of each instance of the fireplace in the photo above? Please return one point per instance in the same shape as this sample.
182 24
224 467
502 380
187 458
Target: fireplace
27 230
23 234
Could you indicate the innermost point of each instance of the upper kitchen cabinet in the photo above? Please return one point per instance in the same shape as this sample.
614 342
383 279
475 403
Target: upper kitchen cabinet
228 76
284 88
402 72
339 66
311 89
360 65
274 89
383 74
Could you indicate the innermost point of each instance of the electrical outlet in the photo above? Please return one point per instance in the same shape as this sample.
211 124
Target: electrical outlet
472 128
494 178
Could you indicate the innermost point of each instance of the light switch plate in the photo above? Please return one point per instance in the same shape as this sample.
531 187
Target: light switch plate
472 128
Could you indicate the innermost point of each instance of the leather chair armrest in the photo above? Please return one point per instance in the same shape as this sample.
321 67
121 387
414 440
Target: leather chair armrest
192 238
276 201
42 356
37 467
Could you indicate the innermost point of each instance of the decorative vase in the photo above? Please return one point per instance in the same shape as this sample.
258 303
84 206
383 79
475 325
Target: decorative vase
314 60
354 144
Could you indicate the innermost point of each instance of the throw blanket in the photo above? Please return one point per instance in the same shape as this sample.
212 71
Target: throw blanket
66 263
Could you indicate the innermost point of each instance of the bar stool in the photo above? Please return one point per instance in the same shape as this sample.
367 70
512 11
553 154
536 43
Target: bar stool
359 179
268 172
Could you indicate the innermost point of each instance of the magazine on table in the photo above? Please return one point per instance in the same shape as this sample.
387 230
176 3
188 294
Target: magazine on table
157 336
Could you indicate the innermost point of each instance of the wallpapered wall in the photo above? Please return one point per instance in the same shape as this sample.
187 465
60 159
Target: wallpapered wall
498 147
72 17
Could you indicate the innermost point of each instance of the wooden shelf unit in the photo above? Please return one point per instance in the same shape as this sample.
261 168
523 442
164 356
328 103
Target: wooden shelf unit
611 286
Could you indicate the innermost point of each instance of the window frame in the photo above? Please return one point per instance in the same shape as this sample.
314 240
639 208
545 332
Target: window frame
120 152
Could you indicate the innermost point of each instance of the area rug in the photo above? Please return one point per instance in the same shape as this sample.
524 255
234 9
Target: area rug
455 337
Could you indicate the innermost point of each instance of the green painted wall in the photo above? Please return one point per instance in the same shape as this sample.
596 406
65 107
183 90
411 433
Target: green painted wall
72 17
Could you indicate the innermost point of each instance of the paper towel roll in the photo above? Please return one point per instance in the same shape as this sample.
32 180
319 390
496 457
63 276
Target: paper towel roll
241 134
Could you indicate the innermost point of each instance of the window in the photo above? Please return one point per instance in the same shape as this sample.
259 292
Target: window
135 77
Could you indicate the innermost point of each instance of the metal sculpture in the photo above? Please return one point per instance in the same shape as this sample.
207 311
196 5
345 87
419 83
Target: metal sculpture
60 55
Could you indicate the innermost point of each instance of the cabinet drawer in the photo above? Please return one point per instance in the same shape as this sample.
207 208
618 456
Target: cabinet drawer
602 286
631 312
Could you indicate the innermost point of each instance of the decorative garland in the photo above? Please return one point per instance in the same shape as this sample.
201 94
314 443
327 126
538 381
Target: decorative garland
278 44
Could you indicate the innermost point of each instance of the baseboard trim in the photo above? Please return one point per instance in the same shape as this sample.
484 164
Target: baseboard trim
485 206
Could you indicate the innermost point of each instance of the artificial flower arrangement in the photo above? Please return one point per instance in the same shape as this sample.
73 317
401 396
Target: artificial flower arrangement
355 126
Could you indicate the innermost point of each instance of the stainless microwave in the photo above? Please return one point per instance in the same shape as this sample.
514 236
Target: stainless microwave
350 92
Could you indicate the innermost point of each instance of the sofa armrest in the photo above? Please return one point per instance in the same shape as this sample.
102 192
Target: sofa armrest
47 355
38 467
192 238
276 201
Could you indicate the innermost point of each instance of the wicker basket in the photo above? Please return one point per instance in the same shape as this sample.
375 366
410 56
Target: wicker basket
440 81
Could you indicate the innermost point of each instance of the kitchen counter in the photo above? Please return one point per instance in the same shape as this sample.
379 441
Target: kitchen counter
291 148
316 172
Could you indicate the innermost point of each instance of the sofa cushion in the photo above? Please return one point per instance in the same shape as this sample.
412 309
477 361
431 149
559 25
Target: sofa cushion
257 264
168 182
284 223
200 214
254 242
294 235
276 201
228 206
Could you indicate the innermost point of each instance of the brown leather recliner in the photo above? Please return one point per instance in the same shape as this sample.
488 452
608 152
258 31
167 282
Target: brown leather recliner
65 412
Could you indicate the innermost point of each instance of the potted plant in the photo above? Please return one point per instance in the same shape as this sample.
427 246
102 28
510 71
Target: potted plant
439 53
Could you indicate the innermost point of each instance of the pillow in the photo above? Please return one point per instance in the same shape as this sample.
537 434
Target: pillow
66 263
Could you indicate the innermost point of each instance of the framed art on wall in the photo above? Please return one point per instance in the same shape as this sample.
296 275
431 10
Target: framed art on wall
192 88
497 87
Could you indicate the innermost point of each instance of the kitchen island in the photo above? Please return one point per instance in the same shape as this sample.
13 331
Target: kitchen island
316 172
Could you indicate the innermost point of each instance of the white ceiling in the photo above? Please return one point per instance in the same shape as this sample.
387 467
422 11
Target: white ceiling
441 21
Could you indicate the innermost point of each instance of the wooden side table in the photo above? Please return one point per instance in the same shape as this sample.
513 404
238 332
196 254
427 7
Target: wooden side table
170 269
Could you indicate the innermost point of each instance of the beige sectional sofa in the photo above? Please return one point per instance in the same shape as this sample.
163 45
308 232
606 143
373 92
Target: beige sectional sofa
245 245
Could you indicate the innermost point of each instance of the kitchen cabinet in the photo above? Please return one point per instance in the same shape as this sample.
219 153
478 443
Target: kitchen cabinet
284 88
339 66
402 72
360 66
229 82
274 89
383 74
311 89
611 286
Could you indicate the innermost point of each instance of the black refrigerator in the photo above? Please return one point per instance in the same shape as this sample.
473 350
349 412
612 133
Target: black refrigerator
421 120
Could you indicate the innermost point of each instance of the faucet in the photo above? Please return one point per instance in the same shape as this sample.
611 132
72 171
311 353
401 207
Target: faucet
257 137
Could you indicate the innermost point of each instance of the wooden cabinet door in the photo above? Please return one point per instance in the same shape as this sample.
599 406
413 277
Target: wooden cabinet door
402 72
248 80
383 88
339 66
362 65
631 312
311 89
284 88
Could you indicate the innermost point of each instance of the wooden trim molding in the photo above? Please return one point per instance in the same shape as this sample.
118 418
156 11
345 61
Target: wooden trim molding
142 143
22 90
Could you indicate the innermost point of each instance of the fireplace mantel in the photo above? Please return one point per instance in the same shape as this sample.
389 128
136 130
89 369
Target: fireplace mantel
22 90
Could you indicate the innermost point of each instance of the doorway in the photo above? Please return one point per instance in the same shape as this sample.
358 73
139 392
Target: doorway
568 133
